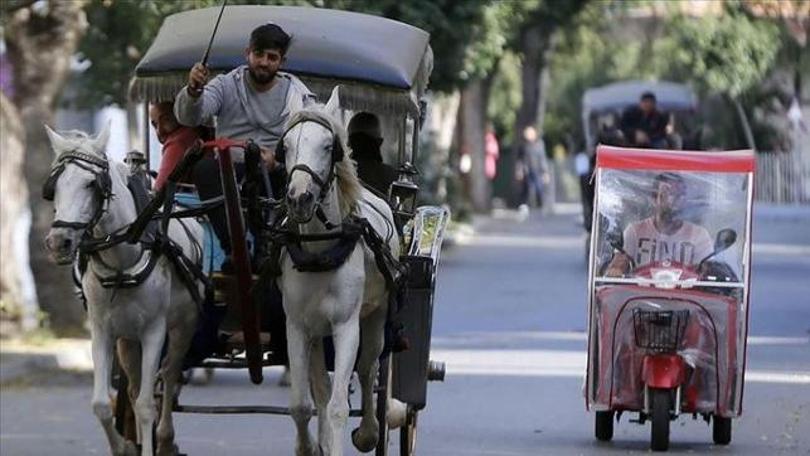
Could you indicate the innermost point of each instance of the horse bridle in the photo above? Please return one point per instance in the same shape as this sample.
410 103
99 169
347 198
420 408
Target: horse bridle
102 185
325 185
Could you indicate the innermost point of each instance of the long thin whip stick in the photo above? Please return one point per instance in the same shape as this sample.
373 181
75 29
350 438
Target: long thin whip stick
214 34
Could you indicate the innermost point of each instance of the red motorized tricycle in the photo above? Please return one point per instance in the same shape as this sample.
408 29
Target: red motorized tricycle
669 288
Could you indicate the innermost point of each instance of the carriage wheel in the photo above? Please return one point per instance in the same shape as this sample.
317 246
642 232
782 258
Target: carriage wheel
604 426
385 384
407 436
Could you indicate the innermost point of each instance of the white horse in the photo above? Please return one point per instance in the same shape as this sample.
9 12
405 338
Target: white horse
336 303
91 196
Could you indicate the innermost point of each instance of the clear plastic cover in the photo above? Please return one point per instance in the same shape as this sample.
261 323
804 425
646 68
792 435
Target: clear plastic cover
669 267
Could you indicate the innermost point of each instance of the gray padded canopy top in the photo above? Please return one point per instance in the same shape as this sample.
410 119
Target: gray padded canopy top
337 45
619 95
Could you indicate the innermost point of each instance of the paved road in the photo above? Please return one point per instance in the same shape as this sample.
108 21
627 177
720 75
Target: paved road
509 322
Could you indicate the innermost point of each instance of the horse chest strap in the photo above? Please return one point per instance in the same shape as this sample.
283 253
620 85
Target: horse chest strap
329 260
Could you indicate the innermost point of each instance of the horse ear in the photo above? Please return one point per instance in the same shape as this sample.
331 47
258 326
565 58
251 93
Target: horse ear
333 105
58 143
100 141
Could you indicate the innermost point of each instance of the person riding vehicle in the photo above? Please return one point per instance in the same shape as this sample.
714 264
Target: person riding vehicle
252 102
664 235
365 139
644 125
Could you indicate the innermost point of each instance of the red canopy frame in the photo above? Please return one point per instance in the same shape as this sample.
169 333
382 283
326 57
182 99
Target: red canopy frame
738 161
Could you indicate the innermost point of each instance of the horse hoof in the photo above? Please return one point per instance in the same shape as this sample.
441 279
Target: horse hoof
130 449
172 450
364 442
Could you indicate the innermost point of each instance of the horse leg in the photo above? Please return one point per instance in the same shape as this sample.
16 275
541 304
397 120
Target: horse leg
151 346
347 337
102 346
366 436
298 347
129 356
179 342
320 386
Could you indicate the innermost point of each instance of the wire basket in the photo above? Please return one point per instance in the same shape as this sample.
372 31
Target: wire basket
659 330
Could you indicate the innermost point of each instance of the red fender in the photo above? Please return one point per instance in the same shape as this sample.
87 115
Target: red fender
663 371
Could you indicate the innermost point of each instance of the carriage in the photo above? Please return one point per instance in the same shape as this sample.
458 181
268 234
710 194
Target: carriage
667 330
382 66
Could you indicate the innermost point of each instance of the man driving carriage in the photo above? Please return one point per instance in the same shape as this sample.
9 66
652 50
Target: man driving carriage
665 235
252 102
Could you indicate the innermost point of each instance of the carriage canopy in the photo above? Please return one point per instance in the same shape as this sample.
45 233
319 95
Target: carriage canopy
383 65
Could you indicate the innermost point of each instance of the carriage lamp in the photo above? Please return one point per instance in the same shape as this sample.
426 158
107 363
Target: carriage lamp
403 198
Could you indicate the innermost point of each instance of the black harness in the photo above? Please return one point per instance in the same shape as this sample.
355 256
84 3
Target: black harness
325 185
351 229
102 185
153 243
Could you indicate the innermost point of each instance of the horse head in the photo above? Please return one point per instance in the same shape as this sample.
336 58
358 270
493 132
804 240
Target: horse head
312 150
79 185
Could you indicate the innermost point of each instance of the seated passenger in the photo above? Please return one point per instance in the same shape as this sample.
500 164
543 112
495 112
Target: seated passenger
665 235
365 139
644 125
175 138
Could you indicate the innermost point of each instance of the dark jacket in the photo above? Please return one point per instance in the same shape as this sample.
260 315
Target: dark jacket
654 124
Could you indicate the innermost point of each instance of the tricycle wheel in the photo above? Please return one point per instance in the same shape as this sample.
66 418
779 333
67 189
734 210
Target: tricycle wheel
384 386
721 430
604 426
659 437
407 436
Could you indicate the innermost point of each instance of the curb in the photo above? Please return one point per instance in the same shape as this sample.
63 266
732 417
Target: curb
20 361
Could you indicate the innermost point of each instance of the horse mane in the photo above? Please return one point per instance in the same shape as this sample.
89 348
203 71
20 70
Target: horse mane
349 187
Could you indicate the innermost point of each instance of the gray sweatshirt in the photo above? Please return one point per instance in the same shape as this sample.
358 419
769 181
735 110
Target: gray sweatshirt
241 112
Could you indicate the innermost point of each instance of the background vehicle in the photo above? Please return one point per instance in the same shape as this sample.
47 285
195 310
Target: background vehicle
669 337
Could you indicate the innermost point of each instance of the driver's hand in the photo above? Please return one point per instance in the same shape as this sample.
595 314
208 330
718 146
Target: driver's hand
269 157
618 265
197 78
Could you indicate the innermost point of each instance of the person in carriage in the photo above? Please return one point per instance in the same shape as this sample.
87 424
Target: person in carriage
251 102
365 140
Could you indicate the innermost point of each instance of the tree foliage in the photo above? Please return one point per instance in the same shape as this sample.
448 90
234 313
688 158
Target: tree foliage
727 54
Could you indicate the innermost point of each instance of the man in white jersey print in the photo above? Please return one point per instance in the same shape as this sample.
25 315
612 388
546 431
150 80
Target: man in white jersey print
664 236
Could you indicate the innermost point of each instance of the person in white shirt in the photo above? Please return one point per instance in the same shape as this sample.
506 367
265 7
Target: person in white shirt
665 236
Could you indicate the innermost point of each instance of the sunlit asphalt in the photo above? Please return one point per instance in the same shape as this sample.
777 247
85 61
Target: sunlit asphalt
509 322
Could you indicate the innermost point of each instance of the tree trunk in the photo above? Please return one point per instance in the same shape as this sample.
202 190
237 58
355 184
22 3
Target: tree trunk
40 43
473 121
749 135
17 290
440 126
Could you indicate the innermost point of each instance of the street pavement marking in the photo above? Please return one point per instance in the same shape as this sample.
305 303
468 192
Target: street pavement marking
561 363
568 242
496 337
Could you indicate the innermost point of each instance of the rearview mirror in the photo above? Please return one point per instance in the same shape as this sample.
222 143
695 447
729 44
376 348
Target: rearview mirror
725 239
